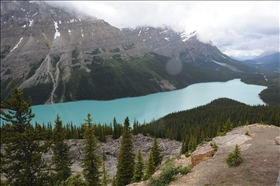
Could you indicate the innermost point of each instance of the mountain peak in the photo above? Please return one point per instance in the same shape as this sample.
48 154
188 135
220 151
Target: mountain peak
265 53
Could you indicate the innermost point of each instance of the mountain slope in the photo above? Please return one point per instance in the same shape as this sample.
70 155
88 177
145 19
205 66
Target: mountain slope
187 48
269 62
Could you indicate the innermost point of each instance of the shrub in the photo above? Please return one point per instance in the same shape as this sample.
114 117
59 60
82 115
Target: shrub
187 154
214 146
234 158
168 174
74 180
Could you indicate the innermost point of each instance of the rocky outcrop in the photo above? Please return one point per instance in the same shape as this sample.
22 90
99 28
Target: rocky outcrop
111 149
258 150
202 153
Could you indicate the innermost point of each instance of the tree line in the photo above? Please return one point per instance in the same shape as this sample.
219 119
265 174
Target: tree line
22 162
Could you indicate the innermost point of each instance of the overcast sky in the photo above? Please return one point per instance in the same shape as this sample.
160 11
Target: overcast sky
236 28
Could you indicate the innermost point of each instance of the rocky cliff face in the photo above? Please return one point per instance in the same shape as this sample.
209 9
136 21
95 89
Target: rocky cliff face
34 32
183 46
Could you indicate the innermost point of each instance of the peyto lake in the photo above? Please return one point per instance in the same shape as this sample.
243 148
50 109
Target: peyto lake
146 108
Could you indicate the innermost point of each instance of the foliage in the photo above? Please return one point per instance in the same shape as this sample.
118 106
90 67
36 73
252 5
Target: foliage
126 157
5 49
61 159
155 159
271 95
105 176
117 129
34 68
21 161
169 173
40 93
234 158
74 180
114 181
96 51
91 162
150 167
226 128
138 168
157 153
205 122
214 146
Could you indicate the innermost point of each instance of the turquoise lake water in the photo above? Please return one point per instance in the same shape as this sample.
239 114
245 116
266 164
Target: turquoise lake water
146 108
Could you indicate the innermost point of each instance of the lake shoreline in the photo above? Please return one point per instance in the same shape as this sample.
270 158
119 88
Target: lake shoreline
148 107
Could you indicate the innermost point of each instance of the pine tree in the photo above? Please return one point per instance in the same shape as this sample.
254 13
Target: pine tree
61 159
234 158
21 161
126 157
150 168
138 168
115 130
91 162
157 153
114 181
105 177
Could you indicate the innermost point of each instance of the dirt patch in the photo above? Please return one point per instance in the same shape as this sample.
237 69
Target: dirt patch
261 161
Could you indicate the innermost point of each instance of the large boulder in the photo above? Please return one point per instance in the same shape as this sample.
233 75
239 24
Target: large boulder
277 140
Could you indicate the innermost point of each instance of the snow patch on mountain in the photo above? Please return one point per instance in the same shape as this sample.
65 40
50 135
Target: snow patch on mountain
185 36
31 22
44 36
17 44
34 14
57 33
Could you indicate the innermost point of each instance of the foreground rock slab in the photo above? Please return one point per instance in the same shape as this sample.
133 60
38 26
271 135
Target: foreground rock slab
261 159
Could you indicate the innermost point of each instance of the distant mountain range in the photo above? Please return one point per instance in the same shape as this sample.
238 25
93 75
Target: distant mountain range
55 55
269 62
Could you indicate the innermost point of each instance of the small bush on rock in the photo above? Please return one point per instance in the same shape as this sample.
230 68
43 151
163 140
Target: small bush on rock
234 158
214 146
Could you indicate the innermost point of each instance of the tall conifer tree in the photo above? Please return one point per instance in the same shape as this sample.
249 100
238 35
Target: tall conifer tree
61 159
150 167
157 153
105 177
138 168
21 161
126 156
91 161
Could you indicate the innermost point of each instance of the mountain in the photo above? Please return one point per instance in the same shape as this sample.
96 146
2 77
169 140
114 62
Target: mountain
186 47
56 55
269 62
265 53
